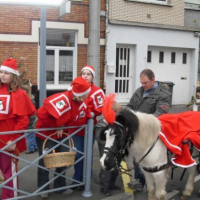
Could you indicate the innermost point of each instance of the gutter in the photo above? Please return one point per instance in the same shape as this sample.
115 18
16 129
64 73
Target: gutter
159 26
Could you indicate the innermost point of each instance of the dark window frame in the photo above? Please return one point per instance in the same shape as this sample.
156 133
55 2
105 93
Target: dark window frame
184 58
161 57
149 55
173 57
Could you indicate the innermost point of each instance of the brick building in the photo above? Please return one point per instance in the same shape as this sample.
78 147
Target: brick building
67 40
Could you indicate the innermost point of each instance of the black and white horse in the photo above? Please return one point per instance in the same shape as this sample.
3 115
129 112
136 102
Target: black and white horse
136 134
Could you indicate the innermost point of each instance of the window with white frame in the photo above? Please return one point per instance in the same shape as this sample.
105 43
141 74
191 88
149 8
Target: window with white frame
156 1
61 58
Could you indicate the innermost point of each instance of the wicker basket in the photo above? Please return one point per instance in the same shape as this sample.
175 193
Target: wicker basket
60 159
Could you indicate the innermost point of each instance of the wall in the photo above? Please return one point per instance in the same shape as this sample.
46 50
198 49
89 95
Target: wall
141 38
136 11
192 18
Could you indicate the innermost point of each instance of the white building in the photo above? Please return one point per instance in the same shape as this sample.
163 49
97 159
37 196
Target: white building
150 34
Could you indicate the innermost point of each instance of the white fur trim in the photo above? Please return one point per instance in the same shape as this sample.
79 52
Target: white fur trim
91 70
9 69
81 94
69 88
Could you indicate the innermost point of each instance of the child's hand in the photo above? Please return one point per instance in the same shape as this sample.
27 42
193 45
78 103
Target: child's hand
59 133
12 147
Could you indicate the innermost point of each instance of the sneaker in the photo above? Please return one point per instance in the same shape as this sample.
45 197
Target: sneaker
44 196
105 191
68 191
135 185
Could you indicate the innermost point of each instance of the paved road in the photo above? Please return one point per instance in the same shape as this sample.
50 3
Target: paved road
28 181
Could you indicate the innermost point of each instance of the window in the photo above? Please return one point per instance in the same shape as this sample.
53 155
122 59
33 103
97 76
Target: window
59 66
61 58
184 58
64 38
149 56
161 57
173 57
156 1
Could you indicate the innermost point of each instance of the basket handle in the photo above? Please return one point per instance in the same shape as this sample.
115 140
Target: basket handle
71 142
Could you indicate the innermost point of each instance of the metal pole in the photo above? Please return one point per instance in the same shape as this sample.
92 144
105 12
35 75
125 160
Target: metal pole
87 192
94 38
42 93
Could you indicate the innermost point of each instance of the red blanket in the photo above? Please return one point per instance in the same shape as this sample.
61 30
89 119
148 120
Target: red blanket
177 128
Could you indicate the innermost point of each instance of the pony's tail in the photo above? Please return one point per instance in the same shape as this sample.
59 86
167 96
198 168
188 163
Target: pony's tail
107 110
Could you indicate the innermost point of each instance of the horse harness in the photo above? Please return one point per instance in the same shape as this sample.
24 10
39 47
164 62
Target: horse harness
128 139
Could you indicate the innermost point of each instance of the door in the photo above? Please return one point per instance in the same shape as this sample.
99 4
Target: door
123 75
174 66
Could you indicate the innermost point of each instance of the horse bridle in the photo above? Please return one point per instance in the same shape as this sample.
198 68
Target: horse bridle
126 136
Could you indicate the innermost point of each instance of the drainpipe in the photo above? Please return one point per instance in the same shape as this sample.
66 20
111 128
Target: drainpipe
106 49
93 56
42 79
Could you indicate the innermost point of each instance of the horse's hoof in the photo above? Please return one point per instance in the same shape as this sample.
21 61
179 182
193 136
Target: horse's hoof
184 197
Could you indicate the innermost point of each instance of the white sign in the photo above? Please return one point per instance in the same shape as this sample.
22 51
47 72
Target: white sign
65 8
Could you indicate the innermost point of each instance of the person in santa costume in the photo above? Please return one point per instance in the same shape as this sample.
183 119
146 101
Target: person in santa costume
12 118
95 103
61 109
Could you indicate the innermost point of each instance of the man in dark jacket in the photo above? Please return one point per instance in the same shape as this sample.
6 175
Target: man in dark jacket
152 97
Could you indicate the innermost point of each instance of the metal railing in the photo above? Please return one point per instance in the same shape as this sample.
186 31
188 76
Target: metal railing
86 155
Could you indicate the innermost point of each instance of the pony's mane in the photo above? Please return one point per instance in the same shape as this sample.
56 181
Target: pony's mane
145 127
149 128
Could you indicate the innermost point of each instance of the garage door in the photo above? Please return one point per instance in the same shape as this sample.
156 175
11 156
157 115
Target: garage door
170 64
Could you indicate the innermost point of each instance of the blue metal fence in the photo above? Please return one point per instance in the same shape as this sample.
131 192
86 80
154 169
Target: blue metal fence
86 155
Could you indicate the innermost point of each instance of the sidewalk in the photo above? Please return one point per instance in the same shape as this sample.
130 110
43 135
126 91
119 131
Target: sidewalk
29 182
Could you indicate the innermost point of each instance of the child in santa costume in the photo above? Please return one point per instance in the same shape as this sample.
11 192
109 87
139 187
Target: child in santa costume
95 103
13 117
62 109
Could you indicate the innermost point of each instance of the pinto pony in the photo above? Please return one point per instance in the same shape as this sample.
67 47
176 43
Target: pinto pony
138 134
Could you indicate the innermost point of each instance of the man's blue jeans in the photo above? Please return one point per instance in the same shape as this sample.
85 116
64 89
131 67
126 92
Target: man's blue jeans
31 142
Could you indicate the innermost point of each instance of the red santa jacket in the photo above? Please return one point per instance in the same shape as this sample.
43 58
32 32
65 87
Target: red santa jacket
177 128
95 104
61 110
95 101
15 110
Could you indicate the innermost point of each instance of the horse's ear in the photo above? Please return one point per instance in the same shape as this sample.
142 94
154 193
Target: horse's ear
128 119
112 131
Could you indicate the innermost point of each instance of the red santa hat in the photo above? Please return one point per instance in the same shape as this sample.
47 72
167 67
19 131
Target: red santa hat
10 65
91 68
80 87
